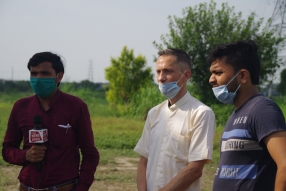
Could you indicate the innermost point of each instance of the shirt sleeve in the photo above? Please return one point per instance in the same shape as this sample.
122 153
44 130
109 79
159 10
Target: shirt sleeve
267 118
11 151
142 147
90 155
201 145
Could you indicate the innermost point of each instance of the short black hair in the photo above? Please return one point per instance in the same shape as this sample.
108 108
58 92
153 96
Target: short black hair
182 56
240 55
41 57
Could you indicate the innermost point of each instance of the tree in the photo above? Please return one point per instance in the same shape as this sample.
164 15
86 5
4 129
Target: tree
281 88
126 76
202 27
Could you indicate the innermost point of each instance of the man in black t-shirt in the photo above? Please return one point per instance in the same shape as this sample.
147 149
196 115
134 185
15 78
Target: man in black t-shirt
253 144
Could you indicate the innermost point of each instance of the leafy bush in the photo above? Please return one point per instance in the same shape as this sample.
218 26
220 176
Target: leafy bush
222 112
125 75
141 102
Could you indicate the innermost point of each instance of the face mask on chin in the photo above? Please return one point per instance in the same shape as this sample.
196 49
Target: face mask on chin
43 87
171 89
222 93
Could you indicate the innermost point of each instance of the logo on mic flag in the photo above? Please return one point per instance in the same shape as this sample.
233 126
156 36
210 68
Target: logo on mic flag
38 136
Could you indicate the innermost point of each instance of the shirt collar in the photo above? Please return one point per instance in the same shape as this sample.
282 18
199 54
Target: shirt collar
55 98
180 102
53 101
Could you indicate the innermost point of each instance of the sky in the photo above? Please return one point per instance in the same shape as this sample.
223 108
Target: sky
87 33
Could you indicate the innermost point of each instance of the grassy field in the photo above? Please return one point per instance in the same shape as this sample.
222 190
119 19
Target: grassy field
114 137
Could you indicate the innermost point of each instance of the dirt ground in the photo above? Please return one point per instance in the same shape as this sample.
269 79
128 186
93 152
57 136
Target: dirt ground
120 176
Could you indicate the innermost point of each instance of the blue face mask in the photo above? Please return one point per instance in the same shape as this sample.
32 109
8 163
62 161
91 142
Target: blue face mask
222 94
43 87
171 89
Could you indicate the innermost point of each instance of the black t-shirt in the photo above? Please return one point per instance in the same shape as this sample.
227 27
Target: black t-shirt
245 163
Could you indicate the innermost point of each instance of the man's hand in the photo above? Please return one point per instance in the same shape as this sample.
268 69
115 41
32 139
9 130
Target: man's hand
36 153
186 176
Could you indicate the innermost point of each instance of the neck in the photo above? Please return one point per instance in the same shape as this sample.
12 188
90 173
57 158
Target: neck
44 102
180 94
244 94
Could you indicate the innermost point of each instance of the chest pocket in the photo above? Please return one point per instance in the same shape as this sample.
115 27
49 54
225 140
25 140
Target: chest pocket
59 136
177 147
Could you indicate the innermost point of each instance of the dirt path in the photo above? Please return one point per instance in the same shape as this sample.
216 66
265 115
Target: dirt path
113 177
120 176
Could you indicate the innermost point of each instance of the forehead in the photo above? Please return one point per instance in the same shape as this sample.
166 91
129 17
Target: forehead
42 66
166 61
220 64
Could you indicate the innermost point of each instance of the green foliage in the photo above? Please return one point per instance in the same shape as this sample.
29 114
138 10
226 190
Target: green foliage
126 75
116 133
141 102
6 102
84 84
281 88
281 101
203 27
222 112
117 136
15 86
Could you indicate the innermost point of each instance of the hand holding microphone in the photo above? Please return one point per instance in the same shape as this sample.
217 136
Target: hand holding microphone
36 153
37 136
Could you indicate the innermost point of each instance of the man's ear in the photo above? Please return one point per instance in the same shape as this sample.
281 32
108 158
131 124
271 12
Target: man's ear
60 76
244 76
188 74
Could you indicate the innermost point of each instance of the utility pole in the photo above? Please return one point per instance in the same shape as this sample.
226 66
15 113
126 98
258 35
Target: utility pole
90 72
12 74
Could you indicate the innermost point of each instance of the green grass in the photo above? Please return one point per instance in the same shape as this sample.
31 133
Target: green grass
114 135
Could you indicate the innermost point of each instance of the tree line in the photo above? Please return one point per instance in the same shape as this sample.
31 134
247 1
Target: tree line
24 86
197 31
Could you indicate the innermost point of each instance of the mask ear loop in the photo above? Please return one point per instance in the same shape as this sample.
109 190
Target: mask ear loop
237 88
180 78
232 79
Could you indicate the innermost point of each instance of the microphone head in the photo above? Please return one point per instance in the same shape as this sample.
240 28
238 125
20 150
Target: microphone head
37 120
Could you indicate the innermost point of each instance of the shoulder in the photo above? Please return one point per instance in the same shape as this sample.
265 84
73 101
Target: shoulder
71 98
199 107
158 108
23 102
260 103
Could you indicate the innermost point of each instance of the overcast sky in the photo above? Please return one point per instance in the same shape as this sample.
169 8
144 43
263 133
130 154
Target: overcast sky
91 31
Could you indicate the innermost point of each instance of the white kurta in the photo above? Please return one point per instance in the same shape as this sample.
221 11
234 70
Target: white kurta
174 136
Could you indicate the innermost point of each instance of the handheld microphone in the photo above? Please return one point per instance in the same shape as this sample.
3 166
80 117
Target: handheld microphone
37 122
38 136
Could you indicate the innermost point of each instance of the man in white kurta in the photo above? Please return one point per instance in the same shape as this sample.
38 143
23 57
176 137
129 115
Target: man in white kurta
174 136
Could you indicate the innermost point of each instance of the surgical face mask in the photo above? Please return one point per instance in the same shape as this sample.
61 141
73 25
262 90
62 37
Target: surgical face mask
222 94
171 89
43 87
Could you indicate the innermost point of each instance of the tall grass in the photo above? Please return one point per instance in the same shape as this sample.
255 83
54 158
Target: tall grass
143 101
112 132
